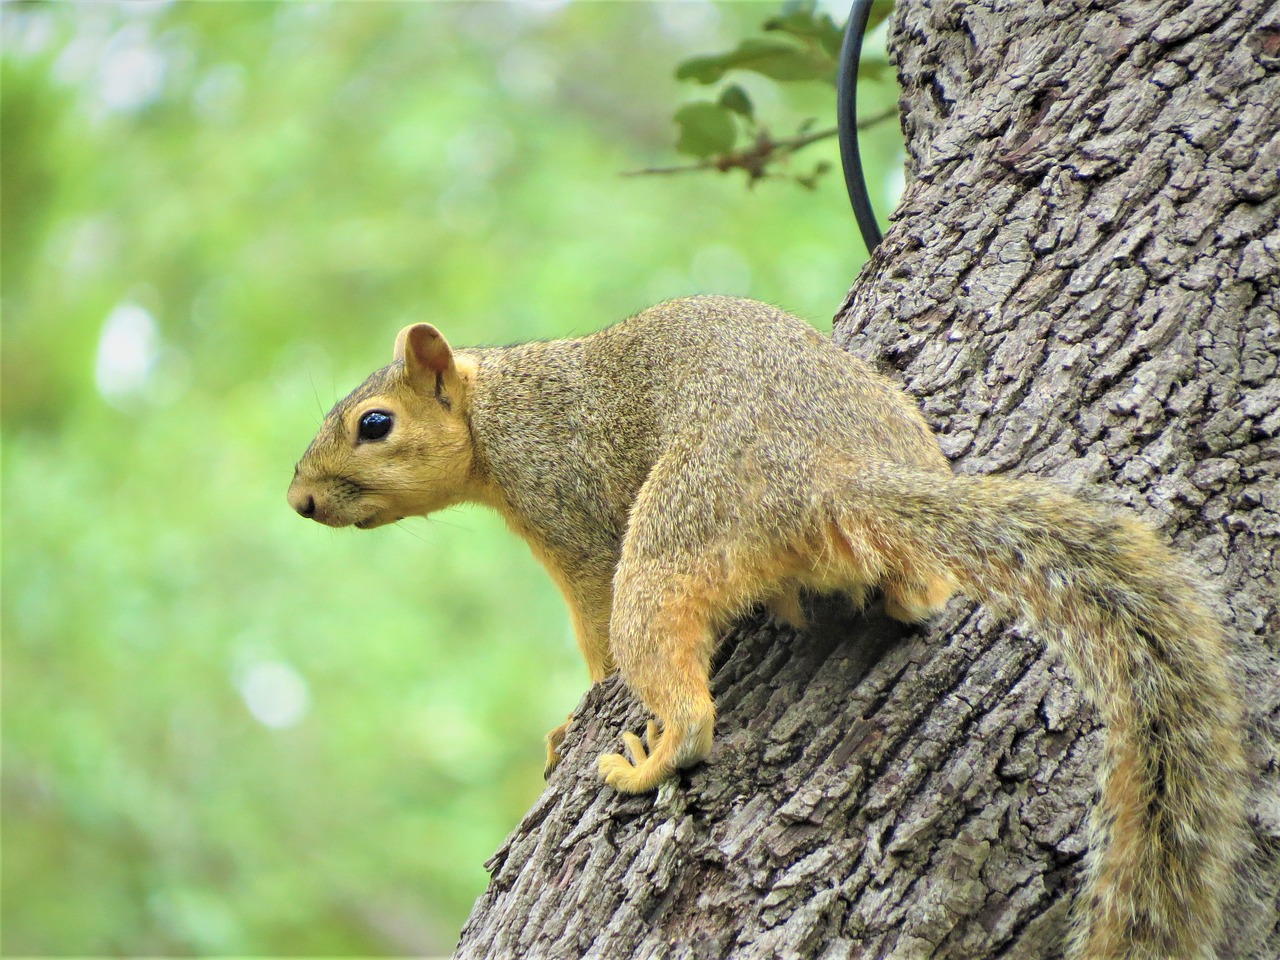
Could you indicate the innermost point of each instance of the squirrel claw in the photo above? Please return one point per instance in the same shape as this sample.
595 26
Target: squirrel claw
636 748
651 734
636 752
638 771
626 777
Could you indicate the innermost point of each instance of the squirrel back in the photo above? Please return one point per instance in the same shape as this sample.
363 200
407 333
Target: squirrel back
569 430
712 453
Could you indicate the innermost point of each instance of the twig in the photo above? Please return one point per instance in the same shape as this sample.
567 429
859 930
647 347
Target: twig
755 157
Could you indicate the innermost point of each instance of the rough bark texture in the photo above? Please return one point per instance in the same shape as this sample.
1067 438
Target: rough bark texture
1081 284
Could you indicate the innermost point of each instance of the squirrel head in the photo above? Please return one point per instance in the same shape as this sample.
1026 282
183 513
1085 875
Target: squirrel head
398 445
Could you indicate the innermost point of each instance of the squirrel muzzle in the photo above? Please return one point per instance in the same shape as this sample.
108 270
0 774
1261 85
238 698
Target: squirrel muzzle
335 506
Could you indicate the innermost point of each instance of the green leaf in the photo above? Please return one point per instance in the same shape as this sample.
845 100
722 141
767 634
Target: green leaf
705 129
734 98
776 59
802 22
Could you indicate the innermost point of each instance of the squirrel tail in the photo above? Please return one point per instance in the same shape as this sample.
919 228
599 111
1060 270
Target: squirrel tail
1128 619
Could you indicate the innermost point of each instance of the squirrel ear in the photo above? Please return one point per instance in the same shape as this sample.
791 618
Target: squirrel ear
424 351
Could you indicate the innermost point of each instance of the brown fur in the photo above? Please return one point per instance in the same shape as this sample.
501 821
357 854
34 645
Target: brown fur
711 453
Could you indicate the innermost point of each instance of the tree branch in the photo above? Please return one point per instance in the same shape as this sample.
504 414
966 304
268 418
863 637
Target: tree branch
763 151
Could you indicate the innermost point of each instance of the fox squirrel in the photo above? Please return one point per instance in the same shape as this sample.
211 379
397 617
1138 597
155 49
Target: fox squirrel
711 453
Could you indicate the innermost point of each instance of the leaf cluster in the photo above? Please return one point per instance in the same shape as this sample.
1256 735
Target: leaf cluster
801 45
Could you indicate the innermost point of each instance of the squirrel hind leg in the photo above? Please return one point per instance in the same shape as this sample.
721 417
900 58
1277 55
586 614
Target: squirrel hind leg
787 607
917 602
863 557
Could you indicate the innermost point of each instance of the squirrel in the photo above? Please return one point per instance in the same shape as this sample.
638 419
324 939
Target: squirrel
711 453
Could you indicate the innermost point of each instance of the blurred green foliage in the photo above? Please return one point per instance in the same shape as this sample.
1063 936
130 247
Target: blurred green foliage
226 730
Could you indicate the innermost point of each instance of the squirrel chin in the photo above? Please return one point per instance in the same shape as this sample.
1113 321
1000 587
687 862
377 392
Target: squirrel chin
368 523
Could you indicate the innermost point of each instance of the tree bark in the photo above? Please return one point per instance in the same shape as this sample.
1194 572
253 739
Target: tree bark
1081 284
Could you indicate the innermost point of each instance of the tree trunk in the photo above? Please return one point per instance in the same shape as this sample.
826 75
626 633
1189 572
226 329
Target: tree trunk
1082 285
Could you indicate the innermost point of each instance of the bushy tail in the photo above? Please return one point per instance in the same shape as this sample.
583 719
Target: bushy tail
1127 618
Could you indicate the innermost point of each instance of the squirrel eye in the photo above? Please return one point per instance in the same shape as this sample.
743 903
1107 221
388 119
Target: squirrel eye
375 425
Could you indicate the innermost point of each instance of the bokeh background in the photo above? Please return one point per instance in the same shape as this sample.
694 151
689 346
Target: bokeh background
227 730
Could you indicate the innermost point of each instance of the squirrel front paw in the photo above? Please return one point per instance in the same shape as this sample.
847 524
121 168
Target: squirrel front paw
554 739
642 769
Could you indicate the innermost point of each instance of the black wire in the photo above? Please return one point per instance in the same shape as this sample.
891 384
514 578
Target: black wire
847 123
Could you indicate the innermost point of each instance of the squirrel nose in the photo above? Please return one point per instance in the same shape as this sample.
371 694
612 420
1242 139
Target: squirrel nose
302 500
